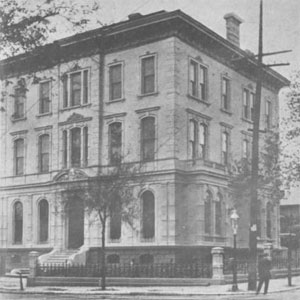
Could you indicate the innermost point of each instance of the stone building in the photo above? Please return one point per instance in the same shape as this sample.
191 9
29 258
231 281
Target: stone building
161 89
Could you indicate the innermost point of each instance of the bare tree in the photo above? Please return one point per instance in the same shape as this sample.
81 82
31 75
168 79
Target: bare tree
109 196
27 24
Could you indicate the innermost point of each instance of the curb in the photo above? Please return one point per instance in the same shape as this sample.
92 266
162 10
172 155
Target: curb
15 291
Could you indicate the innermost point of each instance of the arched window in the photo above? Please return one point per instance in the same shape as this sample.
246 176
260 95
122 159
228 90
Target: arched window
146 259
113 259
115 219
75 147
218 215
148 215
115 142
269 220
43 221
18 223
44 153
148 139
19 156
207 213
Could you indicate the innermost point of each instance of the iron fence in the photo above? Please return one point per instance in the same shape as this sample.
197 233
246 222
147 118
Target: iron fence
169 270
241 266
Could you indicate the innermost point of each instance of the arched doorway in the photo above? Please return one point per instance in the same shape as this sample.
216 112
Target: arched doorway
75 223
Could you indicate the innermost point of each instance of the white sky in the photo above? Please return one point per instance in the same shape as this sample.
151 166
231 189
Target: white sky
281 21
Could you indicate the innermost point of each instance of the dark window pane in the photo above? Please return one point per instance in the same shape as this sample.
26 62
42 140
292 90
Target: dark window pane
207 213
85 146
218 215
44 153
148 75
148 139
115 82
115 219
146 259
65 148
19 157
44 97
75 88
19 103
85 86
65 91
75 147
115 147
193 79
18 223
148 225
43 220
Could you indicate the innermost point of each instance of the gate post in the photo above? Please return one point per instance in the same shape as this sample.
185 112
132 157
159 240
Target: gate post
217 265
33 259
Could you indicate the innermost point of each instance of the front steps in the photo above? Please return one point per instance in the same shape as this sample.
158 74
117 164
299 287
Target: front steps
60 257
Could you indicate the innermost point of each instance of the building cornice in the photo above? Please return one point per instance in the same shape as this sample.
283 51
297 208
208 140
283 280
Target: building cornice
132 33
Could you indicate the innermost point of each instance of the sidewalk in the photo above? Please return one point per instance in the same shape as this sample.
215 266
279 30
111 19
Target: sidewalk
11 285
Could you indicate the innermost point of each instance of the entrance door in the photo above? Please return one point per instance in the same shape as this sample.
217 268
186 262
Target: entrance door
75 224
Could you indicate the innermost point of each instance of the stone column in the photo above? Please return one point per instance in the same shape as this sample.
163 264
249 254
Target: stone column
33 259
268 247
217 265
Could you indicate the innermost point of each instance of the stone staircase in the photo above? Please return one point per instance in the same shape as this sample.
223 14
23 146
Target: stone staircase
60 257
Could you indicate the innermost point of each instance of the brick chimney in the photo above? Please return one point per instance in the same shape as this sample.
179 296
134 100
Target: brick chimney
233 28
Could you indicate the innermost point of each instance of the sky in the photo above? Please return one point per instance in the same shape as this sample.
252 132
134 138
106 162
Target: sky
281 21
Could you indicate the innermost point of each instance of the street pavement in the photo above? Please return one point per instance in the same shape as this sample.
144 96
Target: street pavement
11 286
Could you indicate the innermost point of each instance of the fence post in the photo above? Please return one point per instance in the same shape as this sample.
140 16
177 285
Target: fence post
217 265
33 258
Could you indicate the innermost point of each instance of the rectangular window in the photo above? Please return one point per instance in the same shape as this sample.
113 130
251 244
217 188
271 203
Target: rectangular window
115 82
202 140
75 88
65 148
44 153
148 139
252 99
225 148
85 146
115 143
19 110
148 75
192 139
75 79
197 80
19 156
246 149
268 114
44 97
225 93
75 147
246 104
193 79
202 83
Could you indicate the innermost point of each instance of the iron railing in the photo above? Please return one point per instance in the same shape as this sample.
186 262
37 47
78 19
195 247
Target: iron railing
169 270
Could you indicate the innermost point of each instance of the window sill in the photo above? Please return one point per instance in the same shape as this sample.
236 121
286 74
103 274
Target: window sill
226 111
19 175
18 119
247 120
199 100
115 101
44 115
148 94
74 107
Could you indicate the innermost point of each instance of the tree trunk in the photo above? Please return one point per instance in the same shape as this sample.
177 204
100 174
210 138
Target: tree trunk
103 261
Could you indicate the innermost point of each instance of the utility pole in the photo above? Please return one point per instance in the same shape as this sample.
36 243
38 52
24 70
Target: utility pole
255 155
